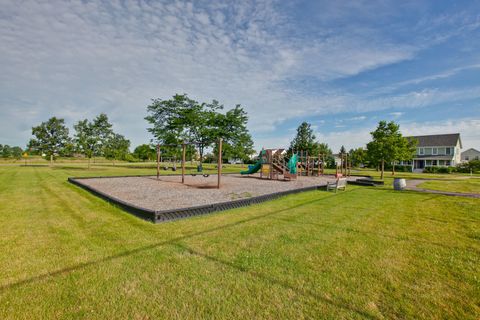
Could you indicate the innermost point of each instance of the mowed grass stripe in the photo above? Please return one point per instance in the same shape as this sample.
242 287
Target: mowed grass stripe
364 253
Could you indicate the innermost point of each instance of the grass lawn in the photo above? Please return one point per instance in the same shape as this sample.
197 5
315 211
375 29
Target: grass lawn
364 253
465 185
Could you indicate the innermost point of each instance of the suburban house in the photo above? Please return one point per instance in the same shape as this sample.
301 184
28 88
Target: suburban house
470 154
436 150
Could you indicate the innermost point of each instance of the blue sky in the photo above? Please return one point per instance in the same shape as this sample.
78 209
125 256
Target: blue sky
342 66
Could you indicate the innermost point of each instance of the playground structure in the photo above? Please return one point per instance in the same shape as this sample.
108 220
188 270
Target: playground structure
183 161
274 163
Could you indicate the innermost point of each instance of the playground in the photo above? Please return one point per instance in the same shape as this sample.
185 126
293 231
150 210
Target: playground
168 197
168 193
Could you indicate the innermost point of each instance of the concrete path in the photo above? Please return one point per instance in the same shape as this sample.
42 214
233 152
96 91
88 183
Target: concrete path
413 185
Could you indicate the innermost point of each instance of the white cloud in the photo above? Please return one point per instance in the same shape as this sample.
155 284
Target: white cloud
77 59
358 118
396 114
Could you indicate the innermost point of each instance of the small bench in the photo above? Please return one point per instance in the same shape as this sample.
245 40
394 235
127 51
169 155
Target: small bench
340 183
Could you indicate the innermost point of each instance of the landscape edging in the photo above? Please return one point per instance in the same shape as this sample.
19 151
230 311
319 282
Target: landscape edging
175 214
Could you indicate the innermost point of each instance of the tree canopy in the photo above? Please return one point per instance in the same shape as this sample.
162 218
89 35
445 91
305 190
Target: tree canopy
388 145
358 156
91 136
304 140
144 152
184 119
50 137
116 147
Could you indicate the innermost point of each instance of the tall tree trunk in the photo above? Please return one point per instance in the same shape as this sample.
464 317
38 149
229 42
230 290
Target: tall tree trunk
51 159
393 168
89 163
383 168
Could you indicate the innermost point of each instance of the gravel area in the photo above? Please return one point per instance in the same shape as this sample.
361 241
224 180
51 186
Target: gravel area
169 193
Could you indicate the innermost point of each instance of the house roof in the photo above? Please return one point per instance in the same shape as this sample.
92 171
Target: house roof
471 149
438 140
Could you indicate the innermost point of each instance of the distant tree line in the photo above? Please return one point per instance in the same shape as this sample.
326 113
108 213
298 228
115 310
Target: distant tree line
93 138
8 152
173 122
387 147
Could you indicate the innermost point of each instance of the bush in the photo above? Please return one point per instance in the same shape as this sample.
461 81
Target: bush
438 170
403 168
471 166
445 170
130 158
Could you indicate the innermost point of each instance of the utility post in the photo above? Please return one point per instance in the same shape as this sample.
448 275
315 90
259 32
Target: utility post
219 163
184 147
158 161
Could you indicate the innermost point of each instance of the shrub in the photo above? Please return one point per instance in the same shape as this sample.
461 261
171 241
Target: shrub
467 167
403 168
444 170
130 158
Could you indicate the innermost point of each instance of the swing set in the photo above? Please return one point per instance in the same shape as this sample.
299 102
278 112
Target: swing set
199 167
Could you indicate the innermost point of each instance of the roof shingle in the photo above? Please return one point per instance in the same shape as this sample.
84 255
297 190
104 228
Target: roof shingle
438 140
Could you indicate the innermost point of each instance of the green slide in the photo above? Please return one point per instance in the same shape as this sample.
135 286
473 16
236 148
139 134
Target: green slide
252 169
292 164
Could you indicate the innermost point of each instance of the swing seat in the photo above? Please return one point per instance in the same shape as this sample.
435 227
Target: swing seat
206 175
174 169
194 174
165 168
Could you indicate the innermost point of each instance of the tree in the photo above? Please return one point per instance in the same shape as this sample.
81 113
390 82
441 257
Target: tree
116 147
16 152
388 145
237 141
326 154
167 119
92 136
343 150
304 140
357 156
144 152
6 151
183 119
50 137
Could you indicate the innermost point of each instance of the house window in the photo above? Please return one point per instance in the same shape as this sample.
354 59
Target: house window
448 151
447 163
428 151
435 151
441 151
420 151
441 162
434 162
466 158
428 162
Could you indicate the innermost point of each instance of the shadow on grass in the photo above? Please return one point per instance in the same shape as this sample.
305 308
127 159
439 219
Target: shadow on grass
79 168
271 280
379 234
158 244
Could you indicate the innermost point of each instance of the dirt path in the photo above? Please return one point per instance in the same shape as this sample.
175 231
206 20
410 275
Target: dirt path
413 185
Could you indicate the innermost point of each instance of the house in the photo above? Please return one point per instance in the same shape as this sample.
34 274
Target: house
470 154
437 150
